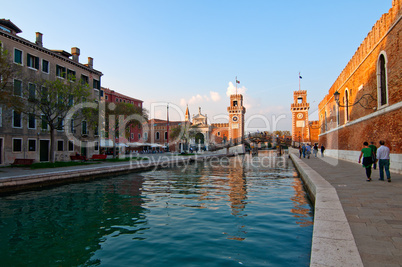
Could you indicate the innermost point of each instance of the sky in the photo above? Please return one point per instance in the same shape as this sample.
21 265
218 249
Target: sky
189 52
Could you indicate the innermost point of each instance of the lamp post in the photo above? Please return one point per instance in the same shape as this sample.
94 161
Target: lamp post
364 101
336 96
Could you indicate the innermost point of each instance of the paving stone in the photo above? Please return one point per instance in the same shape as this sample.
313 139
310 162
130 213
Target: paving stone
373 210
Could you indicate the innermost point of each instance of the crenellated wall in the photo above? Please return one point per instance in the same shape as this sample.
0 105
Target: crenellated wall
377 33
361 114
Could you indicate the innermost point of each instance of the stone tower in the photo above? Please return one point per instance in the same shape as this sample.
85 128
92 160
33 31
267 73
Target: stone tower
300 124
236 118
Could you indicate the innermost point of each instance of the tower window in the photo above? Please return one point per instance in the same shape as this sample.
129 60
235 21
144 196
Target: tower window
235 103
299 100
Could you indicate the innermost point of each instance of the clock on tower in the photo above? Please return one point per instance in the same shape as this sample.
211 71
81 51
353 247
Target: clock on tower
236 118
299 108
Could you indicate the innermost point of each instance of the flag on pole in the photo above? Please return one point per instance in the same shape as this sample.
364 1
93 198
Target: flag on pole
237 81
300 77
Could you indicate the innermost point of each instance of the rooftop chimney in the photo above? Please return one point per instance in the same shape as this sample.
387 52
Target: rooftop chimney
39 39
75 51
90 62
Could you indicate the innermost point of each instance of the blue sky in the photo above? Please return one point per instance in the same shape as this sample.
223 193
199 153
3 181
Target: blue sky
190 51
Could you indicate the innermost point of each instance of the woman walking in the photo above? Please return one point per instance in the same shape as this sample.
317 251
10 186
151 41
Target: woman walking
315 150
366 152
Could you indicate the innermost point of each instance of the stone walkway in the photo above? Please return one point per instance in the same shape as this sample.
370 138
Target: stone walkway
373 209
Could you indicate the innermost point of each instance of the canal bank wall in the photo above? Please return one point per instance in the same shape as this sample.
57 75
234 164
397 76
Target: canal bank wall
333 243
37 179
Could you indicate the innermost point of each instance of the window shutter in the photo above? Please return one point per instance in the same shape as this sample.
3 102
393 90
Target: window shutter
36 63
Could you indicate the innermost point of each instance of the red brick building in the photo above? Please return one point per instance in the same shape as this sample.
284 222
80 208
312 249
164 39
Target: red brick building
369 92
111 96
155 135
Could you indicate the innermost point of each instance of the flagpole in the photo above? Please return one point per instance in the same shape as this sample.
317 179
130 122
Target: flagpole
299 80
236 85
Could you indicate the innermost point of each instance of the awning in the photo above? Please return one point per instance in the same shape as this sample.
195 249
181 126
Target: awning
109 143
136 144
106 143
121 145
156 145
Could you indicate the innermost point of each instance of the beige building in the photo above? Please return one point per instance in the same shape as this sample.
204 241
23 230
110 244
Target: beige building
25 137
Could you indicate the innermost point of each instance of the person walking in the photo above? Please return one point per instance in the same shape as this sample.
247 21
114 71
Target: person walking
322 150
315 150
374 149
304 151
383 158
308 150
300 151
366 152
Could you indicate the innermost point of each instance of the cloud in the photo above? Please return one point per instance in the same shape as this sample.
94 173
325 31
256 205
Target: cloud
215 96
231 90
197 99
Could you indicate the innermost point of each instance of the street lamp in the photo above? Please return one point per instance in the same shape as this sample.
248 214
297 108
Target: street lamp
363 101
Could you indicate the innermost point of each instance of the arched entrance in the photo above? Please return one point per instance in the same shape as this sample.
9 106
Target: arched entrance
199 138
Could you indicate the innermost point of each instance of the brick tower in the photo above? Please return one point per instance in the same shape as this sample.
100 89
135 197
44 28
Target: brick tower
300 124
236 118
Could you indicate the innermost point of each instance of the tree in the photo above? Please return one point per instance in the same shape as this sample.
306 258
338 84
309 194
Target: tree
120 117
50 101
181 133
8 70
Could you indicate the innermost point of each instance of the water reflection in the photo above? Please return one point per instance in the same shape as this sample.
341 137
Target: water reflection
301 208
69 221
176 214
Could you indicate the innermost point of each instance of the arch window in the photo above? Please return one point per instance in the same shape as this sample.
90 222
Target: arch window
157 135
382 89
347 105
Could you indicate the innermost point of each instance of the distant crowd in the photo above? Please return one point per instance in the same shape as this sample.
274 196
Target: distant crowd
306 149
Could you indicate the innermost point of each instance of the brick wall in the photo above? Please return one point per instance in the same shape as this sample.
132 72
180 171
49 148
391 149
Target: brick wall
347 128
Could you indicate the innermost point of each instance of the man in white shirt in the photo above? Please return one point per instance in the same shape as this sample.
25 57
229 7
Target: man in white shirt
383 158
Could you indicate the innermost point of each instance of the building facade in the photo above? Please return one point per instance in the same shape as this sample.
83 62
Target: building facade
155 135
364 103
300 122
236 112
196 133
24 137
303 130
111 96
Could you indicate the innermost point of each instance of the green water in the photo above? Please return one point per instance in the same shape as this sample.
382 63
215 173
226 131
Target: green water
235 212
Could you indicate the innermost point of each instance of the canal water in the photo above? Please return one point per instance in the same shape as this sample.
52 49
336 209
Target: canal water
243 211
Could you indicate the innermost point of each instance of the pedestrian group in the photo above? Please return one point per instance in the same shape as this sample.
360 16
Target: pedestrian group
371 155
